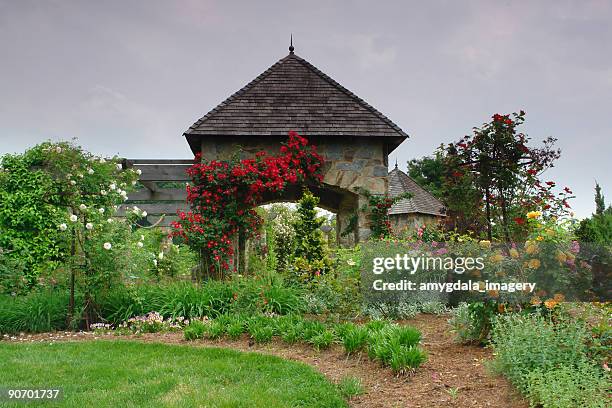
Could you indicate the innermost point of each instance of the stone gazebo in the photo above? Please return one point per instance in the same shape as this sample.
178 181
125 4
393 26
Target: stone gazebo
354 138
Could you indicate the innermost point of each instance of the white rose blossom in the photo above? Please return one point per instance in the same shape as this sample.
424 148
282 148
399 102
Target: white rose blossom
144 214
107 246
112 186
103 192
82 207
139 172
139 244
58 149
119 166
110 220
89 226
63 227
101 210
161 256
90 171
72 183
73 218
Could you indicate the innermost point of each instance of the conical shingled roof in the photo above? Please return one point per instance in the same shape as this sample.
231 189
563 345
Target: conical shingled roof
294 95
421 202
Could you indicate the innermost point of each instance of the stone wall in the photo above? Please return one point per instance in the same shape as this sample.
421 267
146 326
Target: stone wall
350 163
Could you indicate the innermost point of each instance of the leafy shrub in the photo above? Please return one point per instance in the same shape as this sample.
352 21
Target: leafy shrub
472 322
195 330
354 339
407 335
322 340
215 330
405 358
312 328
432 307
581 386
37 312
396 346
235 329
526 343
261 333
350 387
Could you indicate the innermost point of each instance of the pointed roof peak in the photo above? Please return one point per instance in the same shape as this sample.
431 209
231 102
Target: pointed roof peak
294 95
291 45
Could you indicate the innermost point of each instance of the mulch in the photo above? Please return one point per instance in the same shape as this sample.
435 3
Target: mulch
454 375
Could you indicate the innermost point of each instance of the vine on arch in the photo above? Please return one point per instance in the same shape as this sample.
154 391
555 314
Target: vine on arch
224 194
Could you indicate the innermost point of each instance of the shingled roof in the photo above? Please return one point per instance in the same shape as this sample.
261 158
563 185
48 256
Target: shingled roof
422 201
294 95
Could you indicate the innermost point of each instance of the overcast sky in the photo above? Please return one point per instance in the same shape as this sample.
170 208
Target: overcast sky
129 77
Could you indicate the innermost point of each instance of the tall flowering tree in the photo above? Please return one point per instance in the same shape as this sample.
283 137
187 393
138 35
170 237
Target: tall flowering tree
497 161
225 193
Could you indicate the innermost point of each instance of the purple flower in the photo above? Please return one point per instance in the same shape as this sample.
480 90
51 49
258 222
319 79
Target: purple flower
575 247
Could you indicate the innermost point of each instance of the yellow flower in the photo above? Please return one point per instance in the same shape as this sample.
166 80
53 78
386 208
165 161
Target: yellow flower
550 303
559 297
485 244
535 301
497 258
534 263
514 253
534 214
540 238
531 247
561 257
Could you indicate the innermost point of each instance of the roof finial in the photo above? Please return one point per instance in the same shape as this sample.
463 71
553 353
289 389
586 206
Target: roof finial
291 45
396 163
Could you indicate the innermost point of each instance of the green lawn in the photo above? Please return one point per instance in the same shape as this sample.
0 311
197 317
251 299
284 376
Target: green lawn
133 374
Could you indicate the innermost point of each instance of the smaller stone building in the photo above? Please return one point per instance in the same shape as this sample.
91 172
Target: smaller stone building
421 209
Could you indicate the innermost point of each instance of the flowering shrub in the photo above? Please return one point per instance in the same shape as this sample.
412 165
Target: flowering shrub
378 209
224 193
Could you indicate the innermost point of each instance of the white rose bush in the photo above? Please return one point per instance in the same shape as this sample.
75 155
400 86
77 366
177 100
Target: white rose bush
96 249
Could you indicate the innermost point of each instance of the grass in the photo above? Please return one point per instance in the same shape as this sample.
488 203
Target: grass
121 373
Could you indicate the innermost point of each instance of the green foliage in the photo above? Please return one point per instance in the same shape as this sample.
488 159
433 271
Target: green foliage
549 360
582 386
525 343
350 387
39 311
598 228
215 330
13 276
429 172
261 330
396 346
308 236
354 338
472 322
322 340
195 330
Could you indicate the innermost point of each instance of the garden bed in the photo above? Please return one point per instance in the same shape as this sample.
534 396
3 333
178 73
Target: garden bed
454 376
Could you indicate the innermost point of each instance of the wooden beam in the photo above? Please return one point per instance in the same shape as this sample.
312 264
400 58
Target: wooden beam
159 194
155 208
161 172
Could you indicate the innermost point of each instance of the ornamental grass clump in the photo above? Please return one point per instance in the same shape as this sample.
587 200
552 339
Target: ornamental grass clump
195 330
323 340
397 347
355 339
